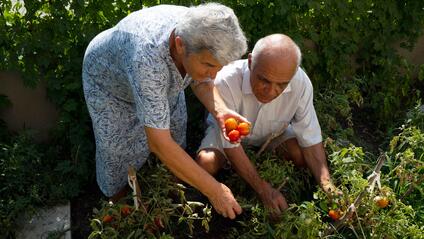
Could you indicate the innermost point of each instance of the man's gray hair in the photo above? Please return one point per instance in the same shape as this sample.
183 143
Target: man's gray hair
213 27
283 43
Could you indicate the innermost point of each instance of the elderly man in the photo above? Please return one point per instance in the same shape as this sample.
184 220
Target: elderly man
274 94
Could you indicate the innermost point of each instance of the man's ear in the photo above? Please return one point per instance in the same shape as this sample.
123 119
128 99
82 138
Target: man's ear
249 61
179 44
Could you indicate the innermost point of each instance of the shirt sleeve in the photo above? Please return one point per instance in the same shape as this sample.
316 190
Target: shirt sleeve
305 122
149 77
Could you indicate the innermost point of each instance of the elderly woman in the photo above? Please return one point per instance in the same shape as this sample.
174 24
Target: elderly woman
134 76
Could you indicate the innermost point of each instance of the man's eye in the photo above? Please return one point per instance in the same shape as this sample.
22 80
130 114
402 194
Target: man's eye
263 80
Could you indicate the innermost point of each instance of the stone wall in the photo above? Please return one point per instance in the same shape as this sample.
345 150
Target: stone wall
30 107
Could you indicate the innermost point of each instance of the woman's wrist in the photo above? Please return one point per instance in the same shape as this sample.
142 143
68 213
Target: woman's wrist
211 188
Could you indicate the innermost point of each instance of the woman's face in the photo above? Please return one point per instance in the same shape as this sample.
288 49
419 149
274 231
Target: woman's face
201 65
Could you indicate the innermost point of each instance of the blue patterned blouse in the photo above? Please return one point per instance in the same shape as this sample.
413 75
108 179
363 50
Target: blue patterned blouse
130 82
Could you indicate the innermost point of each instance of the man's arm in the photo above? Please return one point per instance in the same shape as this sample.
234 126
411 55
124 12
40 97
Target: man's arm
306 123
185 168
271 198
317 163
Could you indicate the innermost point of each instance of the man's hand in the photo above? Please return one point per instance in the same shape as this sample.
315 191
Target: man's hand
330 189
273 200
225 114
224 202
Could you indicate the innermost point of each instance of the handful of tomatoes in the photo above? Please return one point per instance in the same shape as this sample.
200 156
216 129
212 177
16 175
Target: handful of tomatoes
235 129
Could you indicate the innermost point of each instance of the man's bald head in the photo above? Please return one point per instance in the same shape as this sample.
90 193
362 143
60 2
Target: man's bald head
279 47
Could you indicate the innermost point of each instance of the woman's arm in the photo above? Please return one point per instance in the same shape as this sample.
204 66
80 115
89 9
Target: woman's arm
209 96
185 168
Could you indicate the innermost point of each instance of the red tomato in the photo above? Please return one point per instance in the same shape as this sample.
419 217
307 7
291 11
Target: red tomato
125 210
381 202
334 214
243 128
107 219
234 135
230 124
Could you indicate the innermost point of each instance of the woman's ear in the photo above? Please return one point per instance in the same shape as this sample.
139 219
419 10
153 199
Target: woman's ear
179 44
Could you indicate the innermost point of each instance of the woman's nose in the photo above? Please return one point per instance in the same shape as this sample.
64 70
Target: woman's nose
212 74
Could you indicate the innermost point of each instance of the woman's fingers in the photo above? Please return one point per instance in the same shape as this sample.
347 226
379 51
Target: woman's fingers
237 208
224 202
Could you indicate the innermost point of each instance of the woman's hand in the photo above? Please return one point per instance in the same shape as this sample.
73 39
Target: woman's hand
224 202
222 116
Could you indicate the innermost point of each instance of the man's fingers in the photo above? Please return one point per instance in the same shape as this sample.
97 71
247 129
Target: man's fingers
282 206
276 211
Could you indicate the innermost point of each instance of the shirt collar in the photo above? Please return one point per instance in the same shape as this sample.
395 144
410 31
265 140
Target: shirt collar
247 87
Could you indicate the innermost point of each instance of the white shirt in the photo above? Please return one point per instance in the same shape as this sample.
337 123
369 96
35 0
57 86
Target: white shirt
293 106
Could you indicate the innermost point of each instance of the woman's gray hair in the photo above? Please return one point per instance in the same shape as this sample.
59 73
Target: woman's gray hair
213 27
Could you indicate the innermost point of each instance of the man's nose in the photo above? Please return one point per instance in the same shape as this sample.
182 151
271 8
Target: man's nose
272 91
267 89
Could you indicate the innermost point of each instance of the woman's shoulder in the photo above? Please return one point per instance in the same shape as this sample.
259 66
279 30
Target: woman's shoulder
150 21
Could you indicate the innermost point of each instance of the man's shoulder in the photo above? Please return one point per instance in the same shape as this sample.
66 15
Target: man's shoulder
233 71
235 67
300 80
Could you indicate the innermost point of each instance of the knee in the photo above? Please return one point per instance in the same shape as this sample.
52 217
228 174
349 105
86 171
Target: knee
292 152
209 160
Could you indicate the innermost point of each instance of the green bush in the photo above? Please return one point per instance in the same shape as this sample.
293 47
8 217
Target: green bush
31 178
348 47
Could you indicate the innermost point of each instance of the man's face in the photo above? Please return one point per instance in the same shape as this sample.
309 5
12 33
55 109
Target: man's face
201 65
269 76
